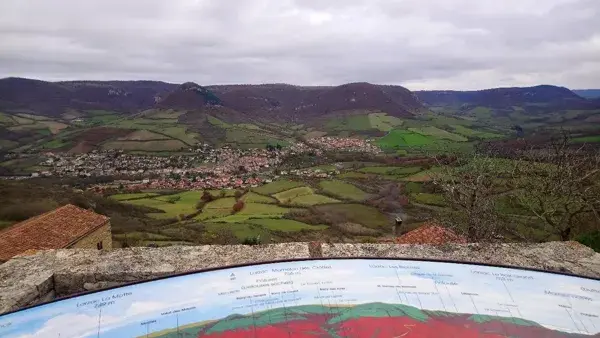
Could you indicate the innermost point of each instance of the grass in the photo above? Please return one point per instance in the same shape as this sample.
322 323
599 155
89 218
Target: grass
125 197
400 171
349 123
429 199
313 199
185 205
263 210
303 196
413 187
285 225
438 133
587 139
246 138
151 146
293 193
384 122
357 213
343 190
473 133
404 138
276 186
143 135
217 208
241 230
253 197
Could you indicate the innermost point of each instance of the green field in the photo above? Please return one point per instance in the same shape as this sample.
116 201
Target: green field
293 193
384 122
276 186
400 171
263 210
252 197
218 208
474 133
125 197
173 205
302 196
404 138
285 225
150 146
587 139
313 199
241 230
343 190
438 133
357 213
429 199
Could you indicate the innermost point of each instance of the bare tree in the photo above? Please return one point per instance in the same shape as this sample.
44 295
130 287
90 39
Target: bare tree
471 188
560 185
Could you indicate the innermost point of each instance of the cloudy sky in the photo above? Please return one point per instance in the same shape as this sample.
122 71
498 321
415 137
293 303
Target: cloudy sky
422 44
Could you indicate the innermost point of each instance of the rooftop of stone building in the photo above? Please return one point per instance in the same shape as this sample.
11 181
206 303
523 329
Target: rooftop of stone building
52 230
32 279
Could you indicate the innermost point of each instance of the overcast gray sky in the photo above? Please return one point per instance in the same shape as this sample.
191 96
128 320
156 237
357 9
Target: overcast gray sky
421 44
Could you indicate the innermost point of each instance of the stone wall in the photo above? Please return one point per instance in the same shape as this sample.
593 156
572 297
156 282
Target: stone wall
29 280
102 234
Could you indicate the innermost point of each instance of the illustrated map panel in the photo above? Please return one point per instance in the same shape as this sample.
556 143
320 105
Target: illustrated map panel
328 298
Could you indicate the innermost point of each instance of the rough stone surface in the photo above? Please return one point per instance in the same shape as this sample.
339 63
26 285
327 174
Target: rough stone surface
567 257
29 280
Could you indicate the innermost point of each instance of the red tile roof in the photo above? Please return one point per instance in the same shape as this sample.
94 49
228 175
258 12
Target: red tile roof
53 230
430 234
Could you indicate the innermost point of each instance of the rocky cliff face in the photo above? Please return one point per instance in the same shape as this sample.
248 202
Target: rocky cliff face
29 280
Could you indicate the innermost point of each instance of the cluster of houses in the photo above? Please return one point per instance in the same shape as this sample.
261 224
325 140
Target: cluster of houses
344 144
203 167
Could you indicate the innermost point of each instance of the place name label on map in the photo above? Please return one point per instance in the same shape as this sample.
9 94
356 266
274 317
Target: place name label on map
397 286
5 325
104 301
394 266
298 270
497 310
264 285
469 294
590 290
174 312
502 276
226 293
148 322
591 315
508 305
567 295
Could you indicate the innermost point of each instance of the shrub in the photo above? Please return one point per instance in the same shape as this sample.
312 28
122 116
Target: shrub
591 240
206 196
200 204
238 206
238 194
252 240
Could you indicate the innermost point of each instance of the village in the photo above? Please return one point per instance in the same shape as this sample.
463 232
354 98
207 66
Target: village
202 167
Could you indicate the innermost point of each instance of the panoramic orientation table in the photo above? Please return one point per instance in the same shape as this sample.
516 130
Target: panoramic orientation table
328 298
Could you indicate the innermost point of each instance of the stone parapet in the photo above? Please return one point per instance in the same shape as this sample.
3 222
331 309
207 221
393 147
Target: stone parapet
46 275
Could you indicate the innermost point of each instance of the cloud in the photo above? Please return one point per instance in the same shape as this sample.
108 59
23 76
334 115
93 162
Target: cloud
418 43
71 325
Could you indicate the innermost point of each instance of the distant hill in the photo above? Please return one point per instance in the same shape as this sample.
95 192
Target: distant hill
189 96
54 98
588 93
545 95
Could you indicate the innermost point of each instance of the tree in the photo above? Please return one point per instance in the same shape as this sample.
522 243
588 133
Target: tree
471 188
560 185
238 194
238 206
206 196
